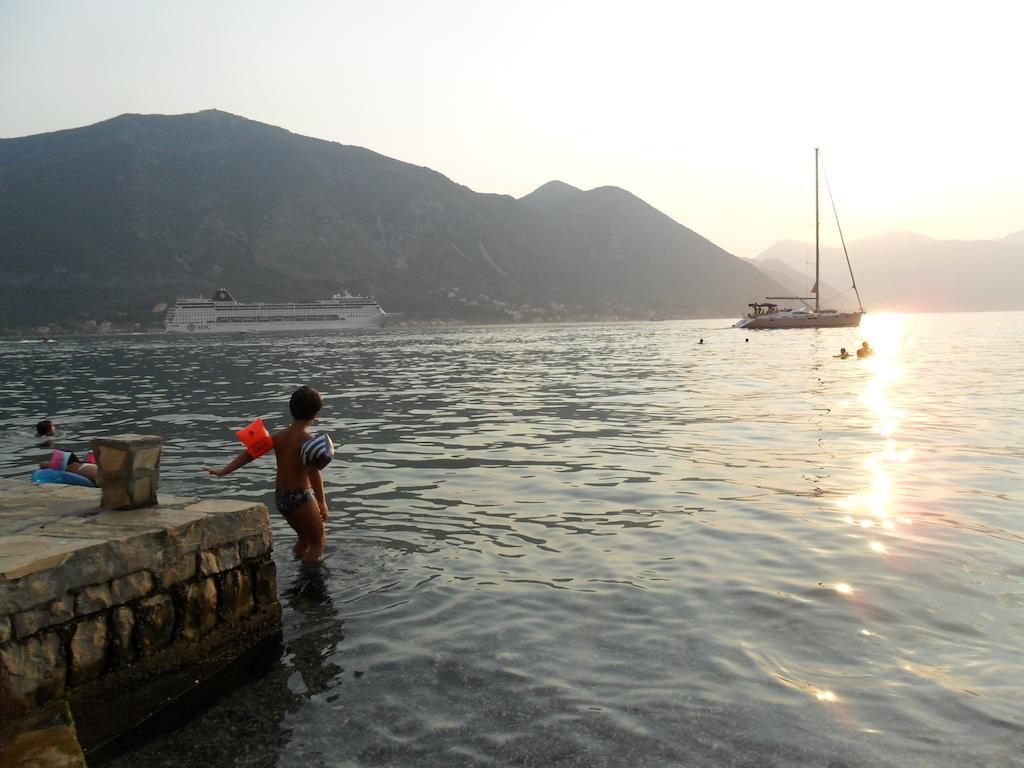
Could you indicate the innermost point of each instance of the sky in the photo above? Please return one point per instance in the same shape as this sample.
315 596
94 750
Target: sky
709 111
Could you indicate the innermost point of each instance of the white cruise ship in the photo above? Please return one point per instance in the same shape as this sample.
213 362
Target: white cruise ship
222 314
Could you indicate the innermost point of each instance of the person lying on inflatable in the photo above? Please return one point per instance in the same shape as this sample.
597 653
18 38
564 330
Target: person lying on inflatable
66 467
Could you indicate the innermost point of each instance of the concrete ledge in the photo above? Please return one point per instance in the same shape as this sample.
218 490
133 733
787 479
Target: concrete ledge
56 554
96 604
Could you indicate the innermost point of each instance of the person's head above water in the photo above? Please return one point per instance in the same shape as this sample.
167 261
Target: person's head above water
842 350
864 345
305 403
44 428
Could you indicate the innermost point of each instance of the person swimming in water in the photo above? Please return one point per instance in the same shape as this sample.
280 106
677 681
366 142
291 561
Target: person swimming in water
865 350
46 433
843 354
299 492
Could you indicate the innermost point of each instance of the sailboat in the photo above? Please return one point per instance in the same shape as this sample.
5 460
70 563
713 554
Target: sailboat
767 314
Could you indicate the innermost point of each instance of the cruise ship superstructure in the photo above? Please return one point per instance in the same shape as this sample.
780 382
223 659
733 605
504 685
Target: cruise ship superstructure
222 314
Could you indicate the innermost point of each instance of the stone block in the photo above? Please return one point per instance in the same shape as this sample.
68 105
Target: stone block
116 496
225 521
147 458
155 623
115 459
99 561
218 559
177 501
57 612
6 631
235 595
182 569
264 583
131 587
129 470
25 553
92 599
89 650
35 569
253 547
54 747
199 601
222 507
122 622
142 488
34 669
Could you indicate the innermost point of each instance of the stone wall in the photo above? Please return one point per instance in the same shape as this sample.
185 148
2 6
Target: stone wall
97 603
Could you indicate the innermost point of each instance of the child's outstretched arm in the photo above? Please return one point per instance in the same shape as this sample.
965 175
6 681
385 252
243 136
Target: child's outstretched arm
239 461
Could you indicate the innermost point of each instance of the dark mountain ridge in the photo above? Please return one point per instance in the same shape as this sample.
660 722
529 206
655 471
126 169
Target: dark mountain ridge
106 221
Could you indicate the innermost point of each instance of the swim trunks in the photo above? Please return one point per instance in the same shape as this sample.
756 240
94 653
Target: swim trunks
289 501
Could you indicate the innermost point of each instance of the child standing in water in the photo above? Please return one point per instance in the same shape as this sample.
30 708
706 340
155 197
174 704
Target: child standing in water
299 493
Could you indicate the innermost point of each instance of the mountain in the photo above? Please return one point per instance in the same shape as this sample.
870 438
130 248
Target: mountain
609 243
1016 237
795 282
912 272
549 193
106 221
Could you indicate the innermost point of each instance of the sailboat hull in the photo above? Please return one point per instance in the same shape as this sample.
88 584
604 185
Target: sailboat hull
801 320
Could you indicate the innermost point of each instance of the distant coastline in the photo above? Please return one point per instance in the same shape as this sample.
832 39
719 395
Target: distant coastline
230 201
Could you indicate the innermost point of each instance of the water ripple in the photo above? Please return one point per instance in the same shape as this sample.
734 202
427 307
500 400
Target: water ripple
605 545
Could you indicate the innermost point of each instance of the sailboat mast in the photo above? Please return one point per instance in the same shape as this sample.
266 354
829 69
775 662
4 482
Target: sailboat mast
817 242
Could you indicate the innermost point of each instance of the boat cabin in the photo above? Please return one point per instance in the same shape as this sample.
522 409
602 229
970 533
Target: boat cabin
765 308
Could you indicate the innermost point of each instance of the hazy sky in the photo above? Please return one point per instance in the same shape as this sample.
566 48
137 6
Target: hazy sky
708 110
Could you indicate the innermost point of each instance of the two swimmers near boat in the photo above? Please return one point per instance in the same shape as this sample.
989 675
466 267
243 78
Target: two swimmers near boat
299 493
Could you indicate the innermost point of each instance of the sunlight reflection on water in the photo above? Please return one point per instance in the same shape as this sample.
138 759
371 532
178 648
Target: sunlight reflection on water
877 501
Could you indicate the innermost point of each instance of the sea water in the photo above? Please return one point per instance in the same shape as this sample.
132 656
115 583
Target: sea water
604 544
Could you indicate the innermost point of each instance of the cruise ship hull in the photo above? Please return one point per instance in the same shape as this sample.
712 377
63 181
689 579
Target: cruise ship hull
222 314
285 327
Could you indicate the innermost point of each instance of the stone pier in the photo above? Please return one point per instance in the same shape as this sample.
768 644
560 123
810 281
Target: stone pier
103 612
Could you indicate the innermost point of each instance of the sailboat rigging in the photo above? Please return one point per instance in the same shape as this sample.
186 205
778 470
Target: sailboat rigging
769 315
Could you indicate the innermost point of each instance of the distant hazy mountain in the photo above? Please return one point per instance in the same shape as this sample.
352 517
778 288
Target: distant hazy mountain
796 283
907 271
107 221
